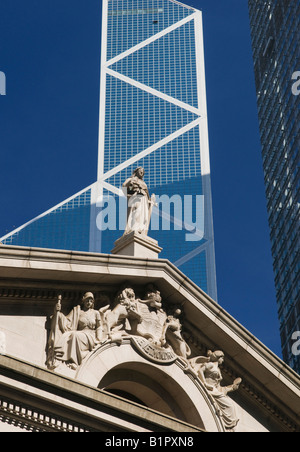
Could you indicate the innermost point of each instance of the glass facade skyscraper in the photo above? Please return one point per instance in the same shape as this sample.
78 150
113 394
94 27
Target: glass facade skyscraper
275 28
152 114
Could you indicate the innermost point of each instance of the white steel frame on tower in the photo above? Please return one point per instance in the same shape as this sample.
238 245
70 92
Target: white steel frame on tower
200 122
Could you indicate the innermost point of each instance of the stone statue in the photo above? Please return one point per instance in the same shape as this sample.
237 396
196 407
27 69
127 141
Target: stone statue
153 329
129 315
116 319
152 316
208 370
172 335
73 336
152 297
140 203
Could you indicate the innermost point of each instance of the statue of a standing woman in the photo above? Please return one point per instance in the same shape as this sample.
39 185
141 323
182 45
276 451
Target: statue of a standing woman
139 203
73 336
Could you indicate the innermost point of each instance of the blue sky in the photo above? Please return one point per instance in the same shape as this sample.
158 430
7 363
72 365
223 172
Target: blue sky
50 54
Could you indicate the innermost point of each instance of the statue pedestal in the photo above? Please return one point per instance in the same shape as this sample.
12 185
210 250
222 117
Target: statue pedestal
137 245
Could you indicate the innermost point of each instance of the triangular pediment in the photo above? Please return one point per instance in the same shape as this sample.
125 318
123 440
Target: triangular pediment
266 397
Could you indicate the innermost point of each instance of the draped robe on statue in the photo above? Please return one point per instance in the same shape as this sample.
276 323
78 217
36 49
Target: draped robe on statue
75 335
138 206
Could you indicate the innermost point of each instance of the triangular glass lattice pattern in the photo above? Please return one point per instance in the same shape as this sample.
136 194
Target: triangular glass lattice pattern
174 162
167 64
136 120
144 17
65 227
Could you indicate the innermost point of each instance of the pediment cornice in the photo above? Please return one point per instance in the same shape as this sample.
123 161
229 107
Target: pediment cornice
35 276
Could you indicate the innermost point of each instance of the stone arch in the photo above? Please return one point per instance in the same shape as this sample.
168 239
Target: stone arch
152 387
167 388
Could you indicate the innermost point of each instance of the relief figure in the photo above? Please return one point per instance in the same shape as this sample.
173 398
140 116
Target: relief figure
172 335
73 336
116 319
208 370
152 316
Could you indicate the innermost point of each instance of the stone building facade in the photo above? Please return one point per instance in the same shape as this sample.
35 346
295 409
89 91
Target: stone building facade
113 343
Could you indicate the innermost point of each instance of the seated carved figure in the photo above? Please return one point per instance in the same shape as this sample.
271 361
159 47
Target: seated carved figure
73 336
208 370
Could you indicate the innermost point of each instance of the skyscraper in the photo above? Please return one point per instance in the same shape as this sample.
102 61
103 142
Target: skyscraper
152 114
275 28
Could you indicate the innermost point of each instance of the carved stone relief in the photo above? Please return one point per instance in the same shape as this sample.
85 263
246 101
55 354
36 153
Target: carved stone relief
155 331
73 336
208 371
